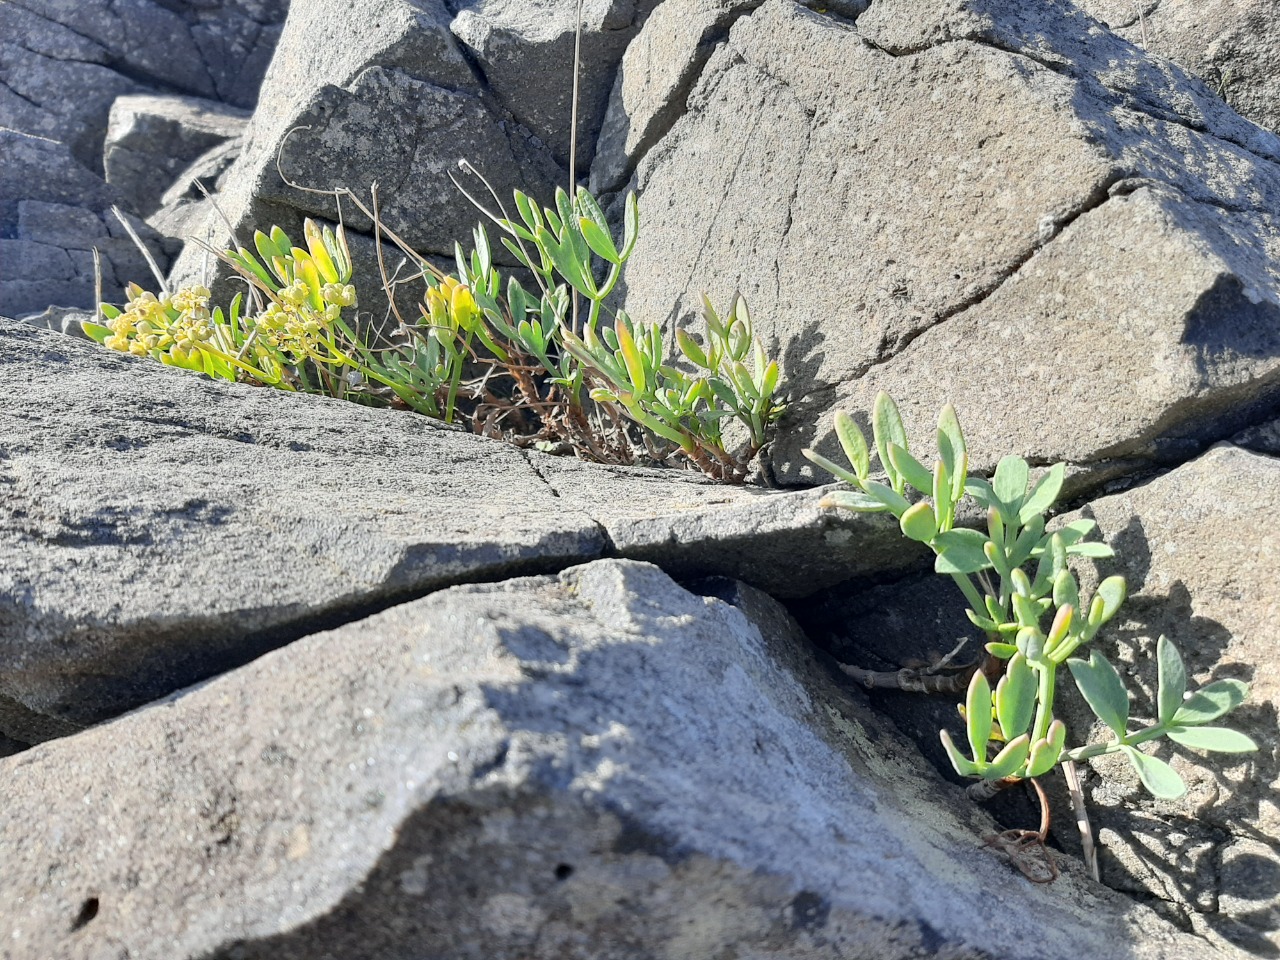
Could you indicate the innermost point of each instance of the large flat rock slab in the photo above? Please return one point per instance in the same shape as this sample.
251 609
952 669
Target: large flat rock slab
597 765
157 528
1001 205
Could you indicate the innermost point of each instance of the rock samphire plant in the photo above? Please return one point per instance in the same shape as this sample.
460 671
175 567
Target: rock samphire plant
512 362
1021 593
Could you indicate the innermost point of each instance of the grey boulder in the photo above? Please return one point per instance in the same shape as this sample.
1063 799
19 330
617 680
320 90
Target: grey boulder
596 765
1230 44
151 139
63 63
998 205
158 528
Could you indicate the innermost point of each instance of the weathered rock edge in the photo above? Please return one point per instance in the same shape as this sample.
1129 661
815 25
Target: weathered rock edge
524 769
157 528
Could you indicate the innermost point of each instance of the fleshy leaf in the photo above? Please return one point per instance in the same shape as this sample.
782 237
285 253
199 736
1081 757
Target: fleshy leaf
887 427
1217 739
853 500
1008 760
919 523
1172 683
963 765
960 551
1157 776
911 469
1016 697
1211 702
854 444
1010 484
1045 753
978 715
1103 690
1043 494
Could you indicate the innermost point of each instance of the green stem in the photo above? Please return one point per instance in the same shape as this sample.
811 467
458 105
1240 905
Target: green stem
1044 698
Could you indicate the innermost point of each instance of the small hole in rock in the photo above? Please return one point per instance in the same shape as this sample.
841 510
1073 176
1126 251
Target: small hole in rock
88 910
563 871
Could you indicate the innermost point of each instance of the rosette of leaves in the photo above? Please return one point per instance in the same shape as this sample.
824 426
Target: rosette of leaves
624 361
1015 577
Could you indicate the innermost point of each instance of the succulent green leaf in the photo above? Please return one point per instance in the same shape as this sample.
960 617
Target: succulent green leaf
887 428
1112 592
1028 540
888 496
1016 697
977 708
598 240
1001 650
1217 739
854 444
95 331
980 490
1172 682
1045 753
1043 494
1060 627
1010 484
919 523
1008 760
1156 775
949 426
690 348
1066 592
853 500
1030 643
1211 701
1103 690
911 469
1026 610
963 765
960 551
834 469
1094 550
996 557
630 226
942 491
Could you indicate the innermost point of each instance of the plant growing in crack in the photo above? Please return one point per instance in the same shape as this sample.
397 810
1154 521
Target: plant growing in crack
1022 594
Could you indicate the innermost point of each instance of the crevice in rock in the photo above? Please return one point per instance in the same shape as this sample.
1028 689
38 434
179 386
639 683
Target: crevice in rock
1128 100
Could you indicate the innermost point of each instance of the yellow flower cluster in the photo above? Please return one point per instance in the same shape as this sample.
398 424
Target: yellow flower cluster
175 325
292 325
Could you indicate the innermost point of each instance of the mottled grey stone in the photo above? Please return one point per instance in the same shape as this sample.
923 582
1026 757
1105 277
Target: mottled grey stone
151 139
596 765
1083 257
157 528
1233 45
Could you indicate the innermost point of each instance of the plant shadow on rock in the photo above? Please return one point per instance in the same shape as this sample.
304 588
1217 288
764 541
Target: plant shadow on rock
914 621
1138 855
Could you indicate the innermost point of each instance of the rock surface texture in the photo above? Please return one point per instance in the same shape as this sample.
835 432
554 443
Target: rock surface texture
282 676
523 770
63 64
403 93
157 528
1233 45
981 203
